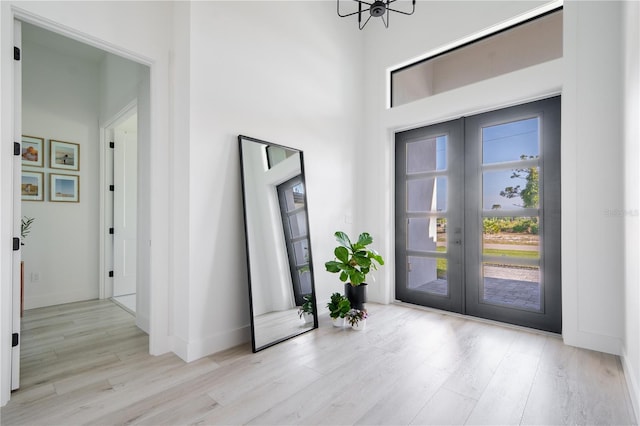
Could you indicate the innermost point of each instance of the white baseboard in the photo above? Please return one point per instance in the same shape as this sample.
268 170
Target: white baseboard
41 301
633 384
180 347
143 323
594 342
219 342
193 350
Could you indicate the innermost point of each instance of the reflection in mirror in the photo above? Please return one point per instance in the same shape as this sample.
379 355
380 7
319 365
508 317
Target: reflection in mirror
281 287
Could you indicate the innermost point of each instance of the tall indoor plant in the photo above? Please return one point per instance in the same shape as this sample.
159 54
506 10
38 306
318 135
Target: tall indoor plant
354 261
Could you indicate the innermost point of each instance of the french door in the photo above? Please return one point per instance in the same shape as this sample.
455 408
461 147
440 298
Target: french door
478 215
294 221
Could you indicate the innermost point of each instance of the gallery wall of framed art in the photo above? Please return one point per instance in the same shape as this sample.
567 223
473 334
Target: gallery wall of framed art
51 181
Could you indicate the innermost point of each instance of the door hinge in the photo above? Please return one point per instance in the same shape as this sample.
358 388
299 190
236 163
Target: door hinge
112 145
16 244
16 148
112 188
111 231
15 340
110 274
16 53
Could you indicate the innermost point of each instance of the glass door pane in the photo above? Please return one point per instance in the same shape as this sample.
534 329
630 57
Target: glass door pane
429 170
512 206
510 185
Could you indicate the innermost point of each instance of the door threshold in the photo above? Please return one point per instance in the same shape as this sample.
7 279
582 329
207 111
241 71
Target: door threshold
478 319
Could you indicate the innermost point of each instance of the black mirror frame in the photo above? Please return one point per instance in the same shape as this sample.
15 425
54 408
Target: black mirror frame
242 138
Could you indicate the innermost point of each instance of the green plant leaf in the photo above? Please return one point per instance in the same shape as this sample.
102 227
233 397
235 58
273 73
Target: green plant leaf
332 266
345 267
375 256
344 276
344 306
362 261
365 239
342 254
356 277
343 239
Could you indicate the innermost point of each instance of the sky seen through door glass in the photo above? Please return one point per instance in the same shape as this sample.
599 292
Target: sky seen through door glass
507 142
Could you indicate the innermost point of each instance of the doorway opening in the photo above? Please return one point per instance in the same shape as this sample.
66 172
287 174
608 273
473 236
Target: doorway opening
69 89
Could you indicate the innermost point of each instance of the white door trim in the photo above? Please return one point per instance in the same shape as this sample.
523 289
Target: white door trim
106 199
16 297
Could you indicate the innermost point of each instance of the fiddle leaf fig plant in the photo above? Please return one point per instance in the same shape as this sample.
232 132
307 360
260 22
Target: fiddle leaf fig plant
354 260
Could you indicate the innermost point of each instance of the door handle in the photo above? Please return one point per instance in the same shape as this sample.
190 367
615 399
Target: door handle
458 242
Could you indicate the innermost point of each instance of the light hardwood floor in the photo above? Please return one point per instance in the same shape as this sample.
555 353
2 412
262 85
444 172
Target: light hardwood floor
87 363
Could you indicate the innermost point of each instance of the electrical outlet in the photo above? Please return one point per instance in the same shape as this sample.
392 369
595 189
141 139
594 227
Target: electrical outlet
35 277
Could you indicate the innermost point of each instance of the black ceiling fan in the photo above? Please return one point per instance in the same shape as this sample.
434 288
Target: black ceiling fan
376 9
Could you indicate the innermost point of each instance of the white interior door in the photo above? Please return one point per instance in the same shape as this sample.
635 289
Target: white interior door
125 208
17 212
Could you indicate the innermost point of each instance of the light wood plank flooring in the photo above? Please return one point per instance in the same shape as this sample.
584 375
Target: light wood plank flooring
87 363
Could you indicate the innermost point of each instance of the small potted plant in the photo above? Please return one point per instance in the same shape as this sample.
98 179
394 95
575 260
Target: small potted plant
354 261
338 307
306 310
25 227
357 319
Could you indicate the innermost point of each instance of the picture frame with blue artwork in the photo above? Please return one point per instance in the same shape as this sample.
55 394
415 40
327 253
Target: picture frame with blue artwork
64 155
64 188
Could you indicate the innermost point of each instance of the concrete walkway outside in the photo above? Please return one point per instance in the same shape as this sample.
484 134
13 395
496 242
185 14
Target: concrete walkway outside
503 285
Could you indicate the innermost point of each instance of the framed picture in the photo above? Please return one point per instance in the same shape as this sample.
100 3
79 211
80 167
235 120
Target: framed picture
32 186
32 151
64 188
64 155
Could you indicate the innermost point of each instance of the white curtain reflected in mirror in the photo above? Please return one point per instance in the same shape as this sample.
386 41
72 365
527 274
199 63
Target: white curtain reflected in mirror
277 236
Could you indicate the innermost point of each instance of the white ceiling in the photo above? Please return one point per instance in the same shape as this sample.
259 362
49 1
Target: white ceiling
61 44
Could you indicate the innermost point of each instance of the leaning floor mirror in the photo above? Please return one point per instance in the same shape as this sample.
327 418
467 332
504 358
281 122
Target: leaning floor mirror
281 287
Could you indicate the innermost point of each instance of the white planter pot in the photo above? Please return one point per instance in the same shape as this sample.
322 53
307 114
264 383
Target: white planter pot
360 325
308 318
338 322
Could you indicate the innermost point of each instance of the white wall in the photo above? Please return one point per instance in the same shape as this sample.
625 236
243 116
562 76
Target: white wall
60 101
180 152
120 79
592 177
285 72
123 82
141 31
631 350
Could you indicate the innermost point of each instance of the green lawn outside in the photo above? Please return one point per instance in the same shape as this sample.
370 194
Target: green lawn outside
441 264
